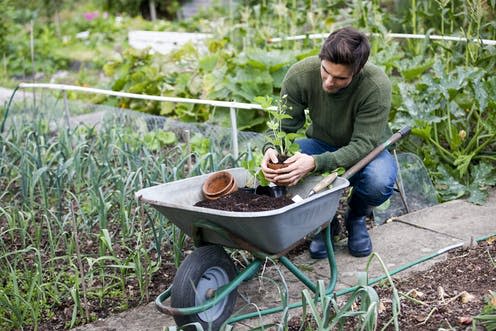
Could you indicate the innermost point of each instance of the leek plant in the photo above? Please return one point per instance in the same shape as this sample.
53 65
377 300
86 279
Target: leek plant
73 233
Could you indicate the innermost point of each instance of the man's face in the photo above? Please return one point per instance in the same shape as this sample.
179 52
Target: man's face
335 76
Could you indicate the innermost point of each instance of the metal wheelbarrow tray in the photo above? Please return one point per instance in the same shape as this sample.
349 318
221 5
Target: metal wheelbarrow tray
271 231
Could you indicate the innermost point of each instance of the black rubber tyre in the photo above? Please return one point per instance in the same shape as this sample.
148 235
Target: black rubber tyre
206 269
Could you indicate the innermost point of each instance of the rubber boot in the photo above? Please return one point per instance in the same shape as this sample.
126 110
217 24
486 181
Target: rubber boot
317 247
359 243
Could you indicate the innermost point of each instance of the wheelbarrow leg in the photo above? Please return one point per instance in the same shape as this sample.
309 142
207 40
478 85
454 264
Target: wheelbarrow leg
332 266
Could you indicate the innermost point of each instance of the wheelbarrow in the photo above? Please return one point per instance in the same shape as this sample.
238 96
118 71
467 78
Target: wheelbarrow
204 287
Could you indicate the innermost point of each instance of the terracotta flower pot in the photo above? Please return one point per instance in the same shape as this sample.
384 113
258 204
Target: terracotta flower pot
280 164
275 166
219 184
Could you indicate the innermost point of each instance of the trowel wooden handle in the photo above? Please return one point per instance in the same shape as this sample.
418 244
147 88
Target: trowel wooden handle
328 180
376 151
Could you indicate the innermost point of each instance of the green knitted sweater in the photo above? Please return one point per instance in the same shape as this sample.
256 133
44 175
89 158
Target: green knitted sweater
354 120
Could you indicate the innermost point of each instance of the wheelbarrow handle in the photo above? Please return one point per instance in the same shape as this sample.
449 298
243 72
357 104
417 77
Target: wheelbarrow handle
369 157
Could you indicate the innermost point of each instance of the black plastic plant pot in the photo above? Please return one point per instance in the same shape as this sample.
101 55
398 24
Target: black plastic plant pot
271 191
247 189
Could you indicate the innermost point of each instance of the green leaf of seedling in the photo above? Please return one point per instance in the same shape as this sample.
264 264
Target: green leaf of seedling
464 100
481 96
261 179
484 176
151 142
106 240
414 68
455 110
462 162
424 132
250 119
186 112
274 126
456 140
119 84
200 144
477 196
187 50
167 108
138 88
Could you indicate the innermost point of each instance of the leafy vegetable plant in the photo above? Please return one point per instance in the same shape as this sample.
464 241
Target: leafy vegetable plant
282 141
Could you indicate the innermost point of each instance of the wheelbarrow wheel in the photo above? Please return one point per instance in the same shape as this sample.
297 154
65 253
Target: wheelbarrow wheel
203 272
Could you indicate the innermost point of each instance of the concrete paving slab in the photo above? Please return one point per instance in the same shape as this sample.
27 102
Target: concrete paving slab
457 218
142 318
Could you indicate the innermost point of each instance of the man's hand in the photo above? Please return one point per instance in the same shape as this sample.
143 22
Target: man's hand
270 155
299 165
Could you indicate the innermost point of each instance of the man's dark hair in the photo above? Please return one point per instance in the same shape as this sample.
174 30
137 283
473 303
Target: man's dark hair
346 46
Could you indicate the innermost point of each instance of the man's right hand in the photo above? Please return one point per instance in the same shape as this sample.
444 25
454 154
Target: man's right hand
270 155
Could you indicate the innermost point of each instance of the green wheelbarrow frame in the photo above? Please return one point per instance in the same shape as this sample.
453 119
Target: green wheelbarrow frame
247 274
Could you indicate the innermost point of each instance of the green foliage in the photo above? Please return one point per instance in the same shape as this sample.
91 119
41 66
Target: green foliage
361 307
86 177
157 140
252 164
452 113
163 9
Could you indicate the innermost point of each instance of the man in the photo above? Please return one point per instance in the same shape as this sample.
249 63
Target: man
348 101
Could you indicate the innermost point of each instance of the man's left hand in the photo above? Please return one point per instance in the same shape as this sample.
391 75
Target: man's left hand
299 165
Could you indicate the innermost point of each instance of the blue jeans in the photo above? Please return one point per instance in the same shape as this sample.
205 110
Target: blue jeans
374 183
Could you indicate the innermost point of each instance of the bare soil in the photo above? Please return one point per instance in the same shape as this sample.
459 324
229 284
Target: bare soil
245 201
447 296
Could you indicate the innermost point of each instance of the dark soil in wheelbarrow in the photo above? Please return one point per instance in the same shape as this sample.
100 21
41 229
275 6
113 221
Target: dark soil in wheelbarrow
245 201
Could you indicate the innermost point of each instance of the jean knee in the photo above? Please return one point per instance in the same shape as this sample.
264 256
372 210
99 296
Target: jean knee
376 181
